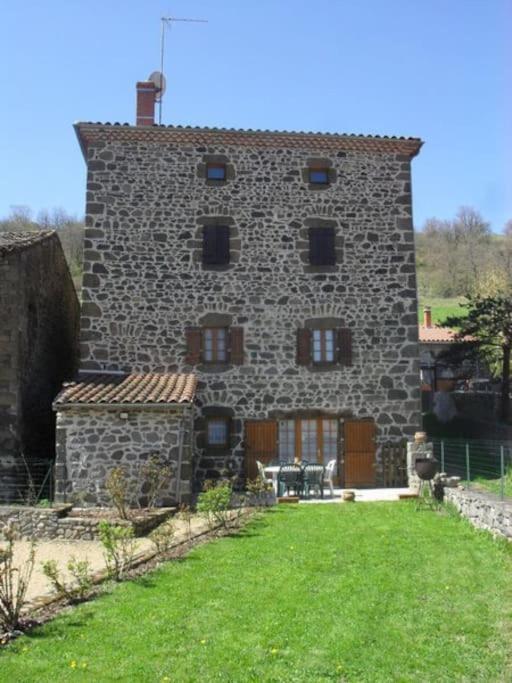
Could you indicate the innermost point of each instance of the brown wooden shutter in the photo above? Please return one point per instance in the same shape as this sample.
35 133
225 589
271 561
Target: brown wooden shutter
260 441
303 347
345 346
193 341
321 247
237 345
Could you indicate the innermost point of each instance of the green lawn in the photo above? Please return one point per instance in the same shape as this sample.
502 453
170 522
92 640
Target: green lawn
494 485
371 592
441 308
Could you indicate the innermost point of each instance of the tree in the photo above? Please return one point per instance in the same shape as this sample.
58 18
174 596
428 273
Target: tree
486 330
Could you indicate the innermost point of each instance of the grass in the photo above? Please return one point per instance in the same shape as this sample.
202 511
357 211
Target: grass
494 485
366 592
441 308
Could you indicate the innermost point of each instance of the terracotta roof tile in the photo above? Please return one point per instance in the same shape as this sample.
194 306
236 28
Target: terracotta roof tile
436 334
112 389
94 132
16 241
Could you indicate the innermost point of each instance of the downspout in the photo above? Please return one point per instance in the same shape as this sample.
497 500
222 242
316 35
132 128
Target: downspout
180 456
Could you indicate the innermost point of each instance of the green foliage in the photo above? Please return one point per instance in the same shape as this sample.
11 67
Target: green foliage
314 593
162 537
119 489
78 588
119 548
214 502
156 475
486 331
14 581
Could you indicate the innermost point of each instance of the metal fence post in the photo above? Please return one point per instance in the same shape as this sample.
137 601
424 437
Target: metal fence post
467 464
442 456
502 472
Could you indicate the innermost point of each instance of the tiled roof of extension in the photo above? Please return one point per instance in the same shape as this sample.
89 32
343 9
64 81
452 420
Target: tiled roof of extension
107 389
11 242
92 132
436 335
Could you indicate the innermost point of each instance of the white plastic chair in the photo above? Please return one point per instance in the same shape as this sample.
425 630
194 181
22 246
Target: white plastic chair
261 472
329 475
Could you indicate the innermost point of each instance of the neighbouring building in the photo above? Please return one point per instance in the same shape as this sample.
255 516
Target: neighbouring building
277 268
39 316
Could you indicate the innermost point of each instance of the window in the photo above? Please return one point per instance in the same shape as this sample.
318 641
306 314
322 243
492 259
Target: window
215 345
322 246
216 245
319 176
217 432
309 440
287 440
216 171
324 346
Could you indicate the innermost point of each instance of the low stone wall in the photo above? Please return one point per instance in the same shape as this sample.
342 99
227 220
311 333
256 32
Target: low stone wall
59 522
484 510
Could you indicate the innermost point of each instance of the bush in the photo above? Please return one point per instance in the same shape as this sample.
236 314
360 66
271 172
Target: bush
14 581
162 537
119 548
80 571
258 490
118 488
156 475
185 514
214 502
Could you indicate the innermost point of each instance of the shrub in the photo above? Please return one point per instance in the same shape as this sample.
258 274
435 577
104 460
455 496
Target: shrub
80 571
14 581
119 548
214 502
118 488
156 475
185 514
162 537
258 490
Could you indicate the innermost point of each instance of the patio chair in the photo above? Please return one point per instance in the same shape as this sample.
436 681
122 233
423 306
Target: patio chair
289 477
314 479
261 472
329 475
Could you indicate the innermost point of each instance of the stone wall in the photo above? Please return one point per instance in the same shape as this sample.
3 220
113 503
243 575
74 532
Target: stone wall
144 282
484 510
91 441
39 313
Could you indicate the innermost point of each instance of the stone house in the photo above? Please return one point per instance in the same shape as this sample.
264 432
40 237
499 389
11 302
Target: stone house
276 267
39 316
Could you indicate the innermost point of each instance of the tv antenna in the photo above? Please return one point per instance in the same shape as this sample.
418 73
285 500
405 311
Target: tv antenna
168 22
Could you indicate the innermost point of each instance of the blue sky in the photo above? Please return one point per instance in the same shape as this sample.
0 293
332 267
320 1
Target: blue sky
436 69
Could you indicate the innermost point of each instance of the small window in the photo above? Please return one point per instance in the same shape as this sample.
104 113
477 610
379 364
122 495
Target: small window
217 432
324 346
319 176
216 245
322 250
216 171
215 345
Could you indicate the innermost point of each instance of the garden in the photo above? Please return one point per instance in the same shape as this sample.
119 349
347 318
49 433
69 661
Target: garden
343 592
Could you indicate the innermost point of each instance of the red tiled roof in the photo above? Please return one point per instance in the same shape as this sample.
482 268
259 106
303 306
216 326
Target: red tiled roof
436 335
112 389
16 241
94 132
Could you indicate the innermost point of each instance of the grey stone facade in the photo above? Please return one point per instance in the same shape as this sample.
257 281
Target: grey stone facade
91 441
39 316
144 282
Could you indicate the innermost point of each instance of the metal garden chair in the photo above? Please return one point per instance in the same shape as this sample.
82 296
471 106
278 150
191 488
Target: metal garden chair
290 477
314 479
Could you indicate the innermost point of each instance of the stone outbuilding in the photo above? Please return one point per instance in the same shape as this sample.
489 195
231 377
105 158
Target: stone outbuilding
107 420
39 317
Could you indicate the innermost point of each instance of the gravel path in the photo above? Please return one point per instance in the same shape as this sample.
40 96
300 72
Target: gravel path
62 551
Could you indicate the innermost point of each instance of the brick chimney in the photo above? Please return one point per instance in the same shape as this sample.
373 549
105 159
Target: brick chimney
427 316
146 91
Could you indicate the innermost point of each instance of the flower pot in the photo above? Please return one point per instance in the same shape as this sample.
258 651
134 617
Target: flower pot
349 496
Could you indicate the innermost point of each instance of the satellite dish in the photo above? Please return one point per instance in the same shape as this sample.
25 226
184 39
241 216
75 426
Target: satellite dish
158 79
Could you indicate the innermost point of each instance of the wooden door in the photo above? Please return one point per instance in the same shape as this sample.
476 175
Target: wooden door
359 456
260 444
